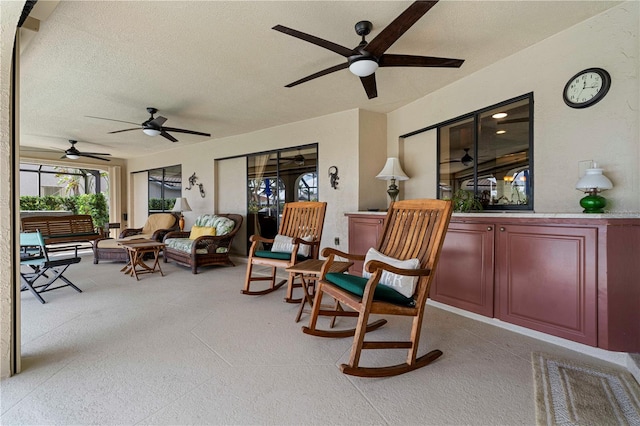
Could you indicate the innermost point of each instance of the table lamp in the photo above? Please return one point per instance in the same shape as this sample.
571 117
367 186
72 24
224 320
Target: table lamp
181 205
591 183
392 172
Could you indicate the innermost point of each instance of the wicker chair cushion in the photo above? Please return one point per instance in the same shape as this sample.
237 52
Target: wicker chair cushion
158 221
223 225
184 244
199 231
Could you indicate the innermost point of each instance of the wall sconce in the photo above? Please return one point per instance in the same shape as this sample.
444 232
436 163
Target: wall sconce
592 183
193 180
392 172
333 177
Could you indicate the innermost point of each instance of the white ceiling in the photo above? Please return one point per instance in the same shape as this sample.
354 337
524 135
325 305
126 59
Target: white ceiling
218 67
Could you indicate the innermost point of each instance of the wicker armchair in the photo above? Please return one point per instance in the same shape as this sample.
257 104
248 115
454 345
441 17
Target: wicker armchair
203 250
155 228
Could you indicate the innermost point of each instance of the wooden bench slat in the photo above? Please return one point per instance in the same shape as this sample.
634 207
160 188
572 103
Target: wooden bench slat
62 229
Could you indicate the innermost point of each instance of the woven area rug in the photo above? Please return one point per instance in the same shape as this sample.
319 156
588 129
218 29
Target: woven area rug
569 393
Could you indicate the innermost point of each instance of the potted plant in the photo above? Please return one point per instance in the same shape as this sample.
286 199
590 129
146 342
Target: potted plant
465 201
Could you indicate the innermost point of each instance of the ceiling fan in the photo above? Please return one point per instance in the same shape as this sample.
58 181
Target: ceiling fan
466 159
153 126
298 159
73 153
364 59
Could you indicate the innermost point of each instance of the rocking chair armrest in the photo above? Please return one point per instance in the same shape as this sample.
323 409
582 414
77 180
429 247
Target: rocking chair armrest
260 239
327 251
373 265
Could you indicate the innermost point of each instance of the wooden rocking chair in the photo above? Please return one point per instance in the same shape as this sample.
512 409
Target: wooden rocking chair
414 231
302 222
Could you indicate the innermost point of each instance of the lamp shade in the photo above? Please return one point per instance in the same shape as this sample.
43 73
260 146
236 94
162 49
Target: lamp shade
151 132
392 170
363 67
593 179
181 205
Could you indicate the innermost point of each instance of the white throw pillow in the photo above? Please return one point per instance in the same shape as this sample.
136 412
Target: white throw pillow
284 244
401 283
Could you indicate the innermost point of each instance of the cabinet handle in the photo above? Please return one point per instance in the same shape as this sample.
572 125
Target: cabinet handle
489 228
501 229
379 220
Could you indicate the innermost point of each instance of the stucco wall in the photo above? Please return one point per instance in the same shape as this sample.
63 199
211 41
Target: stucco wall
337 136
9 14
607 132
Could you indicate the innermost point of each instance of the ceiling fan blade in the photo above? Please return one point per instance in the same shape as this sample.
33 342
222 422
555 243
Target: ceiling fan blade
369 84
388 60
168 136
191 132
158 121
84 154
95 153
340 50
320 74
399 26
111 119
125 130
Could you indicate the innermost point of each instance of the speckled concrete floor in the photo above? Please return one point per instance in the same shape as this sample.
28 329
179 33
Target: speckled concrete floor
191 349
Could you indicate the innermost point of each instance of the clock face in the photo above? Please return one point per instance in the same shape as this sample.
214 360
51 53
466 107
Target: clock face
586 88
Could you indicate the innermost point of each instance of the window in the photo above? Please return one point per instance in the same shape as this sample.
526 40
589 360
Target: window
165 185
41 180
489 153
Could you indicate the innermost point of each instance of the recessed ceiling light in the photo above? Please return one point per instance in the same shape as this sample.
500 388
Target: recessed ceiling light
499 115
501 132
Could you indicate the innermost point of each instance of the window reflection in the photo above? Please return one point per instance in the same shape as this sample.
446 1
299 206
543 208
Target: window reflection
488 153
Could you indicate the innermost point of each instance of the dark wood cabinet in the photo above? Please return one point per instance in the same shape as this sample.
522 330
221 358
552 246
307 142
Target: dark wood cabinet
571 276
364 232
464 276
546 280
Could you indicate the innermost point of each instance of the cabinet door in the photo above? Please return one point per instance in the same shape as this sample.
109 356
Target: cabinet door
546 280
464 275
364 233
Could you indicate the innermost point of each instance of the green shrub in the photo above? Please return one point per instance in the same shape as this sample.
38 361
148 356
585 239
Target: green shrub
91 204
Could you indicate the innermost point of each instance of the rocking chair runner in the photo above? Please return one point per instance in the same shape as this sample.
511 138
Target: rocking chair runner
302 221
413 229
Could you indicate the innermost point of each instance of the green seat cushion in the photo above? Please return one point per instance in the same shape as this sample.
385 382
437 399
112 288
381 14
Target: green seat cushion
354 284
276 255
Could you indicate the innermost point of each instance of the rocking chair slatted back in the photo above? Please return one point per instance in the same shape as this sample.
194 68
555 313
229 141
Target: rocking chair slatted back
303 219
415 230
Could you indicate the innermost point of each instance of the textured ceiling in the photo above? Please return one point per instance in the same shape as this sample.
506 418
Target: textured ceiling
218 67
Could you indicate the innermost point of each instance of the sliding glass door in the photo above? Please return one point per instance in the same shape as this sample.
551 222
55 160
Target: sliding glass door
275 178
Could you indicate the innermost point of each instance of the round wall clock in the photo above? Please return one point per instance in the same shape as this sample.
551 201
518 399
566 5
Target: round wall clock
586 88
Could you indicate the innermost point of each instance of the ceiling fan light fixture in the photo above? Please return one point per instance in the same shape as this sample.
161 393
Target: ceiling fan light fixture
363 67
499 115
151 132
73 156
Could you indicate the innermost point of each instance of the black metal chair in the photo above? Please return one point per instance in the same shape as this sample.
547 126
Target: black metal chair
35 255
